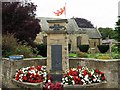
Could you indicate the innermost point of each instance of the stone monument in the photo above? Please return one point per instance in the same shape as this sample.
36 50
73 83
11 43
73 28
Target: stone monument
57 48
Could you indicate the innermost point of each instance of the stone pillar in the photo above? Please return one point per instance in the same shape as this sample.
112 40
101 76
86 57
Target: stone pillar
58 39
57 36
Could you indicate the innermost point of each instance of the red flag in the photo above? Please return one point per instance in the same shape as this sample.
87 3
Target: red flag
60 11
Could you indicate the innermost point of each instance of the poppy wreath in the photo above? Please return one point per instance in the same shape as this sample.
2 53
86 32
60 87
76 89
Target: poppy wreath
32 74
83 76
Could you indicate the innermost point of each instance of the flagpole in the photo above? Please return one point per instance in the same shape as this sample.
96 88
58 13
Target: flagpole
65 10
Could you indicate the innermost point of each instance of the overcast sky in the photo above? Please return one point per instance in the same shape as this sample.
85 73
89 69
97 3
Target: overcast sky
102 13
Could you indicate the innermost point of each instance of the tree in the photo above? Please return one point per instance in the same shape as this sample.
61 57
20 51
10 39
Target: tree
19 18
108 33
83 23
118 32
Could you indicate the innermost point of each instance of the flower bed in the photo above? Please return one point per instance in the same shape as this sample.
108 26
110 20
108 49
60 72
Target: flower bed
32 74
77 77
83 76
53 86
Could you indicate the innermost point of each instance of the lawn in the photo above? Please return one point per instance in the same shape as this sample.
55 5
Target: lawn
96 55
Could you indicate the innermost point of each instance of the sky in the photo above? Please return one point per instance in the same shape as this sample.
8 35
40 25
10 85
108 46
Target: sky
101 13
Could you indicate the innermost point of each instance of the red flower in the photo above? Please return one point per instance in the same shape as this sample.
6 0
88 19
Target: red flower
79 79
81 83
96 70
24 78
31 68
85 72
103 78
39 68
74 73
79 68
90 75
101 72
17 78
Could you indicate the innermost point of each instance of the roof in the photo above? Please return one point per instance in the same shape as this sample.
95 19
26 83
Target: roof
91 32
72 27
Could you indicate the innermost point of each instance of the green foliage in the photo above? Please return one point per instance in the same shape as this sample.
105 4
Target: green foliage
25 50
105 56
118 31
82 54
83 23
72 55
114 49
98 56
38 56
108 33
42 50
11 47
19 18
103 48
83 48
88 55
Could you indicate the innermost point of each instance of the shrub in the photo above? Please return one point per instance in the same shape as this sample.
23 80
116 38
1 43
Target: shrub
115 55
83 48
103 57
42 50
25 50
115 49
9 45
103 48
81 54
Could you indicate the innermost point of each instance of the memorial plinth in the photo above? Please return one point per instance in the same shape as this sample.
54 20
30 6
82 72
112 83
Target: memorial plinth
57 47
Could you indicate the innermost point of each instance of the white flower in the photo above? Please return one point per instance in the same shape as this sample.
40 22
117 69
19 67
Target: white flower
66 83
45 74
94 79
97 75
84 83
48 87
92 72
63 79
80 75
82 80
71 76
73 82
49 80
66 78
74 69
20 75
86 78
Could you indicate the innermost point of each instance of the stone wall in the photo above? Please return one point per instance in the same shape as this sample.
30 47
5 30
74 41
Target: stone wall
9 69
111 68
73 39
93 45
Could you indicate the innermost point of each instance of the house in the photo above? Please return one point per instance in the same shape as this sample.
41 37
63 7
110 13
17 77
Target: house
77 35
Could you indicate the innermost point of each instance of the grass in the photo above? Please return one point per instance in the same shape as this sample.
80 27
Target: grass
96 55
72 55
